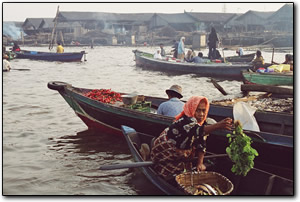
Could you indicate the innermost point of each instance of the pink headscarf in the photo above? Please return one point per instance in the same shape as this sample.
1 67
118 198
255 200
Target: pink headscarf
190 108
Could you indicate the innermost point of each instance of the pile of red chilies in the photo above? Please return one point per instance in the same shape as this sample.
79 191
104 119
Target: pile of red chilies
104 95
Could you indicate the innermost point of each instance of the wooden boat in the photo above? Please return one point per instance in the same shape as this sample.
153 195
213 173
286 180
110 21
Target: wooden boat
221 70
110 117
268 78
268 88
256 182
244 58
49 56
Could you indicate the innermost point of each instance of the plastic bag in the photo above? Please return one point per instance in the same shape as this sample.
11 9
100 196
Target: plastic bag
245 114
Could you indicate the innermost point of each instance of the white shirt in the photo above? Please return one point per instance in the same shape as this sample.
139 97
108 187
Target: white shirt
6 65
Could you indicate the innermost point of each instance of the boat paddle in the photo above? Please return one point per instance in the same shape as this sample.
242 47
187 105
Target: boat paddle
21 69
218 86
145 163
272 56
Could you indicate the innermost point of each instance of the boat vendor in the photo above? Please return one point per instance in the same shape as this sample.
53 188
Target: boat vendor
213 39
197 59
6 65
16 47
240 51
258 61
181 50
60 48
157 54
189 56
174 105
162 50
175 50
185 138
288 60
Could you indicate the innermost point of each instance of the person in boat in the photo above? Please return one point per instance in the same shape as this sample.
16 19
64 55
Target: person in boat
181 50
189 56
288 60
240 51
175 50
59 48
6 65
4 55
184 139
212 43
16 47
157 54
174 105
197 59
162 50
258 61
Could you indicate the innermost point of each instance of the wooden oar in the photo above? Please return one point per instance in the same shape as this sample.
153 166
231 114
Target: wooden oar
145 163
20 69
218 86
272 56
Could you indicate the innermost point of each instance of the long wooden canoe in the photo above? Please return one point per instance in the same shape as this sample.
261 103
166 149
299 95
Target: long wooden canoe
256 182
110 117
49 56
268 78
220 70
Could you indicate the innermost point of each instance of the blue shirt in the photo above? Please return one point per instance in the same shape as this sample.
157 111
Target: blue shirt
196 59
172 107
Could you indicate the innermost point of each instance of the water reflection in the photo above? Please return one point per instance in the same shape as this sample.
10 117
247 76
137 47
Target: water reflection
86 151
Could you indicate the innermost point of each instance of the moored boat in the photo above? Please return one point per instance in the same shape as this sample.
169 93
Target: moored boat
221 70
50 56
256 182
268 78
109 118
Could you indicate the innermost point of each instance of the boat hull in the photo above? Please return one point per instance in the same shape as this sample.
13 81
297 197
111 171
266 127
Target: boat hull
257 181
220 70
275 79
109 118
48 56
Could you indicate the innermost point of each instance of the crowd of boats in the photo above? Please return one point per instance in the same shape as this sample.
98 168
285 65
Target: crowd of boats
274 167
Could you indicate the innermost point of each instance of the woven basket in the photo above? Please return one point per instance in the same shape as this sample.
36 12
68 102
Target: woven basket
214 179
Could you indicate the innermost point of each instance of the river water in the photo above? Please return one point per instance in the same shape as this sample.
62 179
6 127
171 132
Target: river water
48 150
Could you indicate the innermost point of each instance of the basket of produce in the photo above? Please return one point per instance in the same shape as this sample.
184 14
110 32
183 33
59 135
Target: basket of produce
204 183
129 99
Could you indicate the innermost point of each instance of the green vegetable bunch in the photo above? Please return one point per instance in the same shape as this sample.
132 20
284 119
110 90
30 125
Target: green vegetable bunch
240 151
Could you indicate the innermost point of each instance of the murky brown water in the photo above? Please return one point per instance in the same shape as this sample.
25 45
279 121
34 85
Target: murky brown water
47 149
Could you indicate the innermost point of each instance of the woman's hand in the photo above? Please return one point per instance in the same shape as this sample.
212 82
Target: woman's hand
201 167
225 124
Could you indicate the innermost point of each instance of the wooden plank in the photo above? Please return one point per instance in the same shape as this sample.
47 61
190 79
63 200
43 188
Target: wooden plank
267 88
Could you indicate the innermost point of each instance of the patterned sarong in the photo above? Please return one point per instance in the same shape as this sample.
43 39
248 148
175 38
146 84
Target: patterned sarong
167 158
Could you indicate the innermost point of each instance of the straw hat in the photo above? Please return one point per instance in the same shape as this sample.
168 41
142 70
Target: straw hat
177 89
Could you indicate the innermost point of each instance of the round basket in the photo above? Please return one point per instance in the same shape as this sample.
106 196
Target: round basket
215 180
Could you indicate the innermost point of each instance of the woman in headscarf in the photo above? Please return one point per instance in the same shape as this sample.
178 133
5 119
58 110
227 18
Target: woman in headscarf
185 138
181 50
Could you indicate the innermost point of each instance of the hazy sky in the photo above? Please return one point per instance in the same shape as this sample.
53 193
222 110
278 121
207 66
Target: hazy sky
21 11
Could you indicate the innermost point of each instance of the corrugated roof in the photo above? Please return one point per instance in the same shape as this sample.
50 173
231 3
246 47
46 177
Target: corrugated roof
286 10
35 22
176 18
212 17
260 14
82 16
